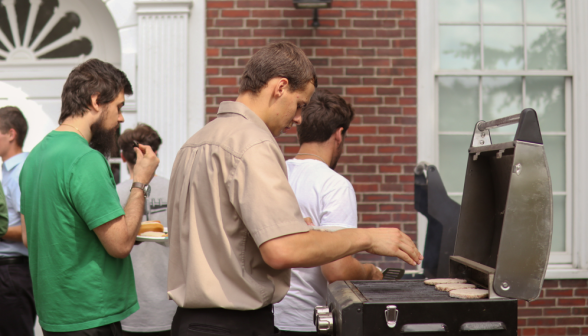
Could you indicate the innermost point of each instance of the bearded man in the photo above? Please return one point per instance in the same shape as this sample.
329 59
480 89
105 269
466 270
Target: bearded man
78 235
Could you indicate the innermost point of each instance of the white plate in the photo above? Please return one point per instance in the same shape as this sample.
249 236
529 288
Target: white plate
151 239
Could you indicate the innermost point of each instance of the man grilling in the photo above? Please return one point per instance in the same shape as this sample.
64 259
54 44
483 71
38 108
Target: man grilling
329 200
235 225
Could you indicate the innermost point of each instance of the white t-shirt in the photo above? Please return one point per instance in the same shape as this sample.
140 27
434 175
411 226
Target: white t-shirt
329 199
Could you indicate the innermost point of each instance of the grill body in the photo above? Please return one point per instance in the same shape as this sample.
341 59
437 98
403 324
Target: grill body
359 308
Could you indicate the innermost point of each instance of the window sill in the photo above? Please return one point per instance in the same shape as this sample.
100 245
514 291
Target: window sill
558 272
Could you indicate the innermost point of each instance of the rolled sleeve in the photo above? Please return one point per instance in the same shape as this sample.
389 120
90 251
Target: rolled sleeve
263 197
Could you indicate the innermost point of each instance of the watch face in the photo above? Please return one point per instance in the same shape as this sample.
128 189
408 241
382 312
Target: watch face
147 190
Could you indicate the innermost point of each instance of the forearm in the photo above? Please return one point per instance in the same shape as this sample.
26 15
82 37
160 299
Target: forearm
14 234
134 213
313 248
347 268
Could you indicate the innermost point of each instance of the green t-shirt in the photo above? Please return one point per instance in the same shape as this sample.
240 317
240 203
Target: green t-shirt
67 190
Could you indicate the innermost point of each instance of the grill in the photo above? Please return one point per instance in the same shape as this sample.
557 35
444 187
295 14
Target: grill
502 244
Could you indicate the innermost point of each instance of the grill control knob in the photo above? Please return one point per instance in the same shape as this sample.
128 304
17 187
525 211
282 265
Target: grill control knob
323 320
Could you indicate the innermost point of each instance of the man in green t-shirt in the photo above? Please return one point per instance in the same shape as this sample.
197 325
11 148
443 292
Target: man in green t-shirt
78 235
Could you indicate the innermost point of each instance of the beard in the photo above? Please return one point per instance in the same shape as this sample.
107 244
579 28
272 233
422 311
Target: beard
103 139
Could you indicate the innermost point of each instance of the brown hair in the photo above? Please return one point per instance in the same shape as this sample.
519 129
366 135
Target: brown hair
323 116
12 118
281 59
144 135
88 78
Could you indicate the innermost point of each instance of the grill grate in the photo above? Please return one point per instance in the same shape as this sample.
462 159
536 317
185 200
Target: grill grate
401 291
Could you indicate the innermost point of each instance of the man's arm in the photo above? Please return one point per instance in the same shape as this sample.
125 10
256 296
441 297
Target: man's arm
315 248
118 235
14 233
23 231
349 268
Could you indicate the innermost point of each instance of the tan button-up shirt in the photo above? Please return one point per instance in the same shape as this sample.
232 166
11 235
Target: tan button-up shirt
228 194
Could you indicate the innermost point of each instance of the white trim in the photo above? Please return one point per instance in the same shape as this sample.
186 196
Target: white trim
197 68
163 7
510 73
426 116
579 33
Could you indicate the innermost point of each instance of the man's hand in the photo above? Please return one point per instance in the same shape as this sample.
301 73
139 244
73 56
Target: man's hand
393 242
373 273
147 162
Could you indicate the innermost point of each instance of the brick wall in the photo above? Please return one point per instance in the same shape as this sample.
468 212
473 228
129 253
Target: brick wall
365 51
560 310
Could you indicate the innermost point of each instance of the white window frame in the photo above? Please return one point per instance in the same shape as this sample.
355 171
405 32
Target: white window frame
565 265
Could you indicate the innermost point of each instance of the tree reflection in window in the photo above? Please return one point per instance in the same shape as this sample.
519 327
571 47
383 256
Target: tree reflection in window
39 29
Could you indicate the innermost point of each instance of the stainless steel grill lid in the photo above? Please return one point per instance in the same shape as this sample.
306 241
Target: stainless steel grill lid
506 219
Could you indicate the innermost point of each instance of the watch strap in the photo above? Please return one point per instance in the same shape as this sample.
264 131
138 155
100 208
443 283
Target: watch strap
141 186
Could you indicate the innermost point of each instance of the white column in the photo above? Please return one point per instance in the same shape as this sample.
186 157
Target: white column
162 74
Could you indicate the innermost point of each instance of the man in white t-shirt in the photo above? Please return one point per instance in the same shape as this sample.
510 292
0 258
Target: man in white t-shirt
329 200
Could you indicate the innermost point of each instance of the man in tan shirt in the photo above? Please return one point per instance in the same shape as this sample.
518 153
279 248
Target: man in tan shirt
234 222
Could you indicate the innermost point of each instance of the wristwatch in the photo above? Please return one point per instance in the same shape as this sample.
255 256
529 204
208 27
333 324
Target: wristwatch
145 187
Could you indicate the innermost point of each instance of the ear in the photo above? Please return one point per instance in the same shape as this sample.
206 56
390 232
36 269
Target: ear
123 158
338 136
12 135
95 106
281 87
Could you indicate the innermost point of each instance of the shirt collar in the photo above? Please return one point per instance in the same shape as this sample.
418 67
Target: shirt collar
15 161
243 110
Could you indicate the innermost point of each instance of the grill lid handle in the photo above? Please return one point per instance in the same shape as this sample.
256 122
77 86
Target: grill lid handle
528 129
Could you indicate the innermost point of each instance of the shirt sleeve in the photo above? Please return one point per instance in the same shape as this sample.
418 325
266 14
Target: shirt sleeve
3 213
262 196
14 190
339 205
93 190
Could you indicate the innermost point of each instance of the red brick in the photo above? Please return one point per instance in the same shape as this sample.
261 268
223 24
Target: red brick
403 198
530 312
360 91
572 331
373 4
263 13
359 33
344 42
541 321
375 43
570 321
559 292
403 4
551 284
574 283
235 13
571 302
391 207
551 331
377 159
528 331
557 311
345 62
389 14
375 218
407 23
235 52
377 139
250 3
367 178
359 13
389 169
329 32
229 23
581 292
220 4
542 303
236 33
221 42
367 100
367 23
580 311
361 52
404 159
361 169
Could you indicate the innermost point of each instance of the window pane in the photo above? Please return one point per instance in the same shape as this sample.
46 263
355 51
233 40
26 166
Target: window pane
546 48
503 47
453 159
459 47
459 10
552 11
502 96
494 11
546 96
558 239
500 138
458 103
555 150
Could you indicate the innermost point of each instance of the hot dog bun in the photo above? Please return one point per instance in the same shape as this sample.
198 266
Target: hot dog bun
151 226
